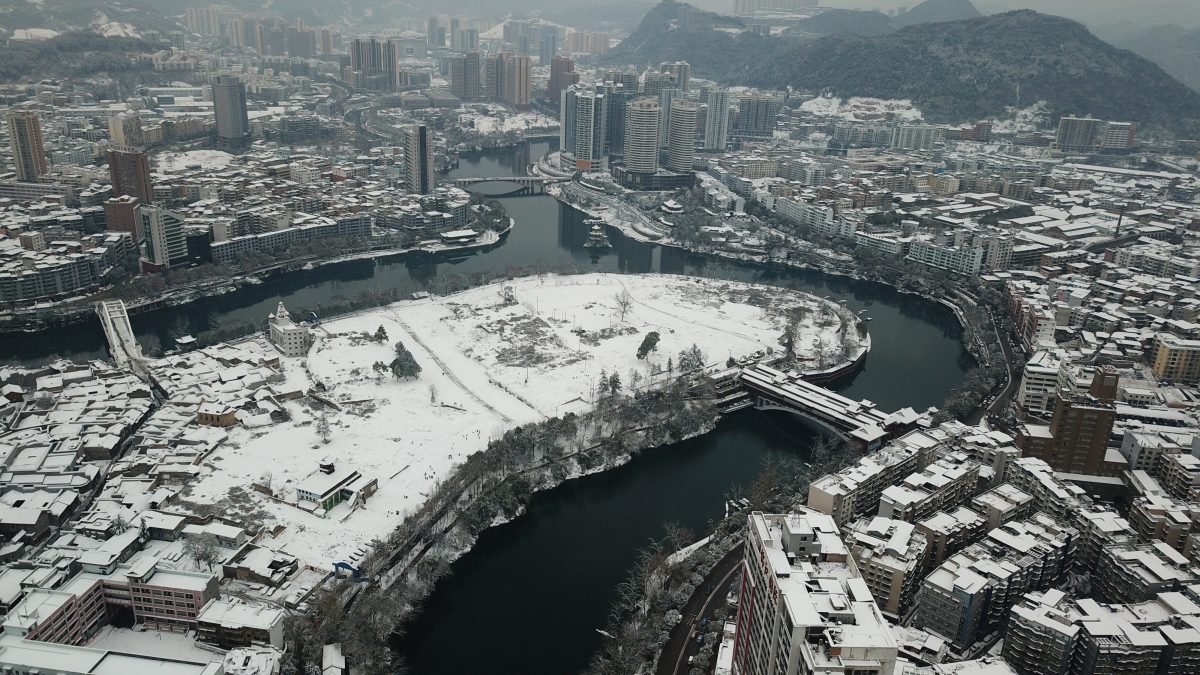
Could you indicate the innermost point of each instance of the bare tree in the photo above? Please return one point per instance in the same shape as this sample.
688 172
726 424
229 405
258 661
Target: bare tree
204 549
624 301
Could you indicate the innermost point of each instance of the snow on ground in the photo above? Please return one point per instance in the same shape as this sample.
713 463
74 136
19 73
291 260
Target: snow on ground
34 34
488 365
862 109
168 162
501 120
116 29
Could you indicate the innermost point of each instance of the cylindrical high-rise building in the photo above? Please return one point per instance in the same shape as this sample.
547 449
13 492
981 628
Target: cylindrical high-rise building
641 136
681 138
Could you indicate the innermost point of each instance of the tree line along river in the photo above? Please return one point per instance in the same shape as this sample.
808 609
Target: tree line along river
530 595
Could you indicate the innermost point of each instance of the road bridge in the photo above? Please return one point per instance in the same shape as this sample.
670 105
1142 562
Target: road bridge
526 185
858 422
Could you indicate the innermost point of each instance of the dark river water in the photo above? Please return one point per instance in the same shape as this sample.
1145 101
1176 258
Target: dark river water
529 597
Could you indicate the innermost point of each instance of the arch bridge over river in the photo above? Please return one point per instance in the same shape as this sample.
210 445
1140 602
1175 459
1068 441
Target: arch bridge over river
526 185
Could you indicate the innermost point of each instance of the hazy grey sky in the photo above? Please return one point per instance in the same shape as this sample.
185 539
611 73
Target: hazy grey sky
1146 12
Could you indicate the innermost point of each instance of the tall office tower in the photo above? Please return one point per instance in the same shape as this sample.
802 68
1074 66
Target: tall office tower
627 78
465 39
548 47
326 42
665 98
493 77
1079 134
229 107
518 87
28 150
364 55
618 102
129 172
418 160
591 130
464 76
376 63
125 131
300 43
203 20
435 33
681 145
641 135
756 116
566 120
655 82
562 75
682 71
455 24
166 244
716 122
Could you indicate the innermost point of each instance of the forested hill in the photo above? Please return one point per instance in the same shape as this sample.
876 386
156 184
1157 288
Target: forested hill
975 68
717 46
955 71
77 54
937 11
852 21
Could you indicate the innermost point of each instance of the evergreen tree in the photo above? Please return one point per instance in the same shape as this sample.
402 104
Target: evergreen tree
649 344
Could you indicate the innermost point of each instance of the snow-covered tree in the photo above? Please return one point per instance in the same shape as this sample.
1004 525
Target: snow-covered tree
203 549
649 344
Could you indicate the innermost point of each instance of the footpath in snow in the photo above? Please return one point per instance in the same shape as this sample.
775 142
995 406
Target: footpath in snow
492 358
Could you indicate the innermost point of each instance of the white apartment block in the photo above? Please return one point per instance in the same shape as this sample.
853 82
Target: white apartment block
289 337
891 556
803 608
1053 633
968 596
855 490
944 484
949 532
1002 504
1138 573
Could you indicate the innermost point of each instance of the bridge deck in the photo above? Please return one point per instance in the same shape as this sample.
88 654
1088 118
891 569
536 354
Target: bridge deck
859 420
122 343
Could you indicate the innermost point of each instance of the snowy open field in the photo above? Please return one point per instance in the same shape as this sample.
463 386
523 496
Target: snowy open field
499 120
487 365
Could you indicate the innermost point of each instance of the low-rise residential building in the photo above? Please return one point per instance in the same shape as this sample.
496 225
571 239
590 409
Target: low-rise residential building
232 623
891 556
1052 633
968 596
942 485
1130 573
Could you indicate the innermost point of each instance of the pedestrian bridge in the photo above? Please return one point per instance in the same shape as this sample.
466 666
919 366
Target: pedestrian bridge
122 343
858 422
525 185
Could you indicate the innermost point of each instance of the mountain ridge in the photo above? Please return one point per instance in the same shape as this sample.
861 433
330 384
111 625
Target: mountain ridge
954 71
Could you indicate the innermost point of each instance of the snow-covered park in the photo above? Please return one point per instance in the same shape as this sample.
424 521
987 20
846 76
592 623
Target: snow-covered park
491 358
